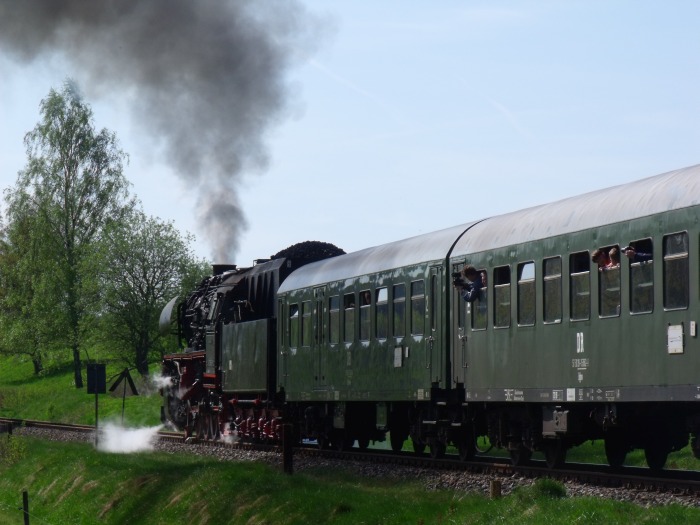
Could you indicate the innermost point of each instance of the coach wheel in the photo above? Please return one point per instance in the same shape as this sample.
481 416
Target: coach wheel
616 449
363 443
554 453
466 450
418 446
656 454
341 441
519 455
397 440
437 448
322 441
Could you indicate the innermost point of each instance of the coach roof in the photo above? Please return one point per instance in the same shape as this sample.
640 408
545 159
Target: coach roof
428 247
673 190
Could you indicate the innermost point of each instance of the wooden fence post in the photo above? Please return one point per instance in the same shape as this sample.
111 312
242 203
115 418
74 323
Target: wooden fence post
25 504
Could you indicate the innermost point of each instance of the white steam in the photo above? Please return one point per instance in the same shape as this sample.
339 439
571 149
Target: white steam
161 381
117 439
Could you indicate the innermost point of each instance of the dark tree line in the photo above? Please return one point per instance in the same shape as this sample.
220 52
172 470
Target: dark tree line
81 267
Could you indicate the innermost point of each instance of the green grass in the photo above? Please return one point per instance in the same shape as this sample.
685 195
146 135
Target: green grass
71 483
52 396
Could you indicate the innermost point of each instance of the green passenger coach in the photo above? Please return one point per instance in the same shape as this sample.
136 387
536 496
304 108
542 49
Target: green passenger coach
556 350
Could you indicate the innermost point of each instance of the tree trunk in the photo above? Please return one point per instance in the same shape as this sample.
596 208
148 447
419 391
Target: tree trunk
38 365
77 368
142 360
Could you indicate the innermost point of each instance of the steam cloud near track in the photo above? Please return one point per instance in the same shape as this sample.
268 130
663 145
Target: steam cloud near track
205 78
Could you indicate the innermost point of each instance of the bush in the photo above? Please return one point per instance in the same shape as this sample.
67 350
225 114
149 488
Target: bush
542 488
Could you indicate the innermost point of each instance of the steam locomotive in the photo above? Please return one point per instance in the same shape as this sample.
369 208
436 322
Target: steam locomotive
555 350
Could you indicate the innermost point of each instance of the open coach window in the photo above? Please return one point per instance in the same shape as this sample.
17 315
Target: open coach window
382 313
479 308
676 271
526 294
642 277
609 284
293 325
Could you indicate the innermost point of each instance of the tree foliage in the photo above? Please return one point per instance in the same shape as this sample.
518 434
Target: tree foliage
70 190
139 265
80 266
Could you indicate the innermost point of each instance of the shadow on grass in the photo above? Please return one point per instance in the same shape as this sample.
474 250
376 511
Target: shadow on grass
53 371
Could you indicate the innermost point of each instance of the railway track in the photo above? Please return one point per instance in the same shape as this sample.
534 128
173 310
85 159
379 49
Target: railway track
677 482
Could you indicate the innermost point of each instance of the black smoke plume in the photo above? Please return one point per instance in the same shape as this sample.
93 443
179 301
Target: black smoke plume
206 78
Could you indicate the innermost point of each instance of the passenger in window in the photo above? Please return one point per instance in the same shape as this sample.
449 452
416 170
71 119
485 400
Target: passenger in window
614 257
366 298
471 283
636 256
600 257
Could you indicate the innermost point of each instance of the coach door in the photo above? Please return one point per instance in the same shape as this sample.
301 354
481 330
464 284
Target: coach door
435 340
318 342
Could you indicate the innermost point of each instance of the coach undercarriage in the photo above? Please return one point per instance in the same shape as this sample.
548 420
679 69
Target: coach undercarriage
520 428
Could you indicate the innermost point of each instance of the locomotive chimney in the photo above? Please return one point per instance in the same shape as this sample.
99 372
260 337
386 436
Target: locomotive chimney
218 269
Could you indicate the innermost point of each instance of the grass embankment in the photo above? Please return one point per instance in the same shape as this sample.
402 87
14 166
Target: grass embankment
71 483
52 396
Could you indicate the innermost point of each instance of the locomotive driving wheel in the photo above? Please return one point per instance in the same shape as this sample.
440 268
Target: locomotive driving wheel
189 420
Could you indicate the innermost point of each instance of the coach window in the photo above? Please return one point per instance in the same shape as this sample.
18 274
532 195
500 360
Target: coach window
460 309
479 308
399 310
526 294
349 317
676 271
293 325
642 277
551 285
580 286
382 313
501 297
365 304
306 323
417 307
609 284
334 319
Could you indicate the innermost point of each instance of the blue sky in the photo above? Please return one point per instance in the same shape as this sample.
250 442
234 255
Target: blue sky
411 117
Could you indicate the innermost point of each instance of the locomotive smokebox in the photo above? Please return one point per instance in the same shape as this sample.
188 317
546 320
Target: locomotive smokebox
218 269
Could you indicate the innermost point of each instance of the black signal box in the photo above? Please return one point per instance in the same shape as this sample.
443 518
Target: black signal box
96 378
